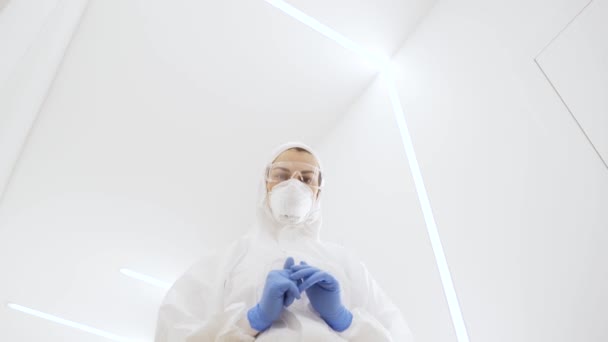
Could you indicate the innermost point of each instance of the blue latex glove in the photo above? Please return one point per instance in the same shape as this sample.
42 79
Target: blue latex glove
279 291
323 291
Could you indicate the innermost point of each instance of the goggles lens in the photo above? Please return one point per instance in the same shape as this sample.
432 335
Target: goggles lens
286 170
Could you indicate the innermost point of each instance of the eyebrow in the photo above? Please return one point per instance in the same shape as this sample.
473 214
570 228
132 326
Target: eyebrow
288 170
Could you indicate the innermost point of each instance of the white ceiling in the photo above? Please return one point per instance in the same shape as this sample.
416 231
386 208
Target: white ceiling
379 26
156 104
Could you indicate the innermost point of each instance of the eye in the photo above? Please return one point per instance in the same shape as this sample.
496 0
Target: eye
279 175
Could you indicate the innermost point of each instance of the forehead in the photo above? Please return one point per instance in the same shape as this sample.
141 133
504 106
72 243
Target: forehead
297 156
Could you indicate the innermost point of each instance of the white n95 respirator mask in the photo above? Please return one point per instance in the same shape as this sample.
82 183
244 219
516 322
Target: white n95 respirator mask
291 201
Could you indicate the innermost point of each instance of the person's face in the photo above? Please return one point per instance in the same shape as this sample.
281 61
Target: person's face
295 156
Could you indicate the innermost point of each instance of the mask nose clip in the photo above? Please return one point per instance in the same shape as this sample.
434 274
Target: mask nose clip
299 177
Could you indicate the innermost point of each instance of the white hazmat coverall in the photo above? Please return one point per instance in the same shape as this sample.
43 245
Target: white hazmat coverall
210 301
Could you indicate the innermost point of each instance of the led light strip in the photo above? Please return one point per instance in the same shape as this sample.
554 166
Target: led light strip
379 62
145 278
431 226
384 64
135 275
69 323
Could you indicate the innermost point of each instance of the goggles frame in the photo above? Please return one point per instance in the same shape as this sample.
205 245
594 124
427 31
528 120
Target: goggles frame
316 169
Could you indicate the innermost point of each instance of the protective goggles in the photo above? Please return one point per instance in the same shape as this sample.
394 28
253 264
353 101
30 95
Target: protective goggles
285 170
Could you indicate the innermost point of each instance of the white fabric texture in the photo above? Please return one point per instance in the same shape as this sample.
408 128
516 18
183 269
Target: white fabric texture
206 302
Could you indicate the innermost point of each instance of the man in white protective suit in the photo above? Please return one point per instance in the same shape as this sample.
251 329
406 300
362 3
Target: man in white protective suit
280 282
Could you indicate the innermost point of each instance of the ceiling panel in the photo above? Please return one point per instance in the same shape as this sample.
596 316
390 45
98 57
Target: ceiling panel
576 64
380 26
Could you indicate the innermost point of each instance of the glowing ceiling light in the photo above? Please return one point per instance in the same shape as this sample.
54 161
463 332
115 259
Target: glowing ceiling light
387 68
380 62
69 323
431 226
145 278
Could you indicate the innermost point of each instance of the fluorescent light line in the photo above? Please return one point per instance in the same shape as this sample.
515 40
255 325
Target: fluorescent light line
145 278
380 62
69 323
387 72
431 226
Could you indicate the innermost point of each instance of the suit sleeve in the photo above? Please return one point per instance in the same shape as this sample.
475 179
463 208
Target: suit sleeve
193 309
375 316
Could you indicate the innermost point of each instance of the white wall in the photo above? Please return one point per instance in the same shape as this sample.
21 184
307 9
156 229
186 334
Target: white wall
33 39
576 64
518 193
371 207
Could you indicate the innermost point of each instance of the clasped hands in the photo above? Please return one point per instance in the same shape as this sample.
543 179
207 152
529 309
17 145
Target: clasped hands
284 286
